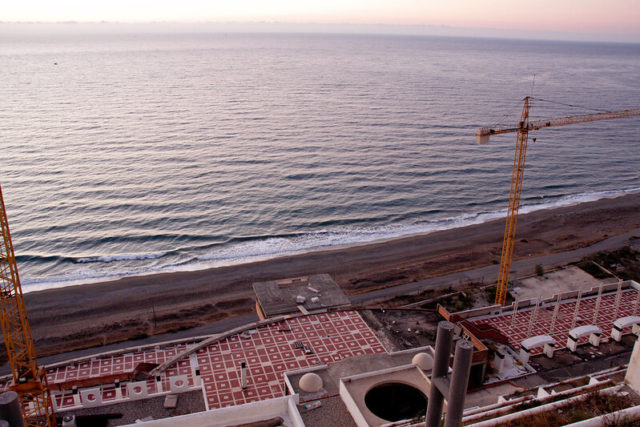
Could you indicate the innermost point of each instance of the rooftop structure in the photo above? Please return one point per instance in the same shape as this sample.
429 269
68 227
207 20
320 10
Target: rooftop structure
599 308
310 293
345 384
332 368
268 349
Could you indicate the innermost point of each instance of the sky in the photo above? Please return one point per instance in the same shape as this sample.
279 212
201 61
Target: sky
606 20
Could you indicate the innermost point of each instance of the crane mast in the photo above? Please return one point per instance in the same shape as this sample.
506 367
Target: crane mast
517 174
29 381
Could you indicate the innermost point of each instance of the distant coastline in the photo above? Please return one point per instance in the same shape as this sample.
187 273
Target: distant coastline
318 243
314 28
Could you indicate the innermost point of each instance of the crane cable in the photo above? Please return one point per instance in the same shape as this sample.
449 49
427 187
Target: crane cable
600 110
571 105
507 116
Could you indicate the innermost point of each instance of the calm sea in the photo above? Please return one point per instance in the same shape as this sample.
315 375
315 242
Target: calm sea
133 154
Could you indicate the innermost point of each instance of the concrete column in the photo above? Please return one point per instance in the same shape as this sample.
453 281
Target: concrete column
76 396
576 310
549 349
533 318
118 390
555 315
459 382
597 309
10 409
444 339
515 313
632 377
618 298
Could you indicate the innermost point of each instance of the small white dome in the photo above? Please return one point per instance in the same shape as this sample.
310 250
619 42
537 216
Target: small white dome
423 361
310 382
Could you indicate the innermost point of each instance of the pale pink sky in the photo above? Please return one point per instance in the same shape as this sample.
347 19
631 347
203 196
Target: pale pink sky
614 19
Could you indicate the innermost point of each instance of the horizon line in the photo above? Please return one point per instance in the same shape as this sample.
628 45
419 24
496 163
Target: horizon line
391 29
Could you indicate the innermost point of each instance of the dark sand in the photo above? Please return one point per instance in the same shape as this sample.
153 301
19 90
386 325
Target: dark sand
94 314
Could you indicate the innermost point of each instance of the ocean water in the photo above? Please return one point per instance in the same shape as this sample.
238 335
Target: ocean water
129 154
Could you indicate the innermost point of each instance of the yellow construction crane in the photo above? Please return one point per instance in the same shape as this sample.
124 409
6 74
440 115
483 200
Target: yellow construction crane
517 174
29 381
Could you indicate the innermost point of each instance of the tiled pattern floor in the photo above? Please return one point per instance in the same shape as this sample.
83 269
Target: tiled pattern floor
114 365
542 323
268 351
118 364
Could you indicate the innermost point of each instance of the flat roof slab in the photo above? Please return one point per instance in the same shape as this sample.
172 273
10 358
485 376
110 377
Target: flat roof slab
279 296
271 351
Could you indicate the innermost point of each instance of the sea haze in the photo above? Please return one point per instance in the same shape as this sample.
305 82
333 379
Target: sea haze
140 153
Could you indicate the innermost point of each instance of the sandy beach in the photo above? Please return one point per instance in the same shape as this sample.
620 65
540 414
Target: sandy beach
94 314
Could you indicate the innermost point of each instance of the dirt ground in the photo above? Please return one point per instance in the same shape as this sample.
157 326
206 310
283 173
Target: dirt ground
567 279
403 329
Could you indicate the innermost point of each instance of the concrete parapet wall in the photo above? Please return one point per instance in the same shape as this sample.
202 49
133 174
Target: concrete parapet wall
352 407
100 396
478 311
283 407
504 414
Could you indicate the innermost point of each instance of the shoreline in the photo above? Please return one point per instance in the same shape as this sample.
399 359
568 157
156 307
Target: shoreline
93 314
458 222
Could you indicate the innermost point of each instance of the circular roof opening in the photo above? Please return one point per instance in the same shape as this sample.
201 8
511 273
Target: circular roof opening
396 401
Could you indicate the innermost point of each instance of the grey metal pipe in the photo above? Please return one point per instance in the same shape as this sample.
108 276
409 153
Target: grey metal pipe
444 339
10 409
243 374
459 382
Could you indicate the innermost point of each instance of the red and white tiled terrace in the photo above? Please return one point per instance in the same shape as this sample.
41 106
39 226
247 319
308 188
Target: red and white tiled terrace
268 351
516 329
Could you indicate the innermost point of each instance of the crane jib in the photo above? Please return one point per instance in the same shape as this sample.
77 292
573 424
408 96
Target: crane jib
483 133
